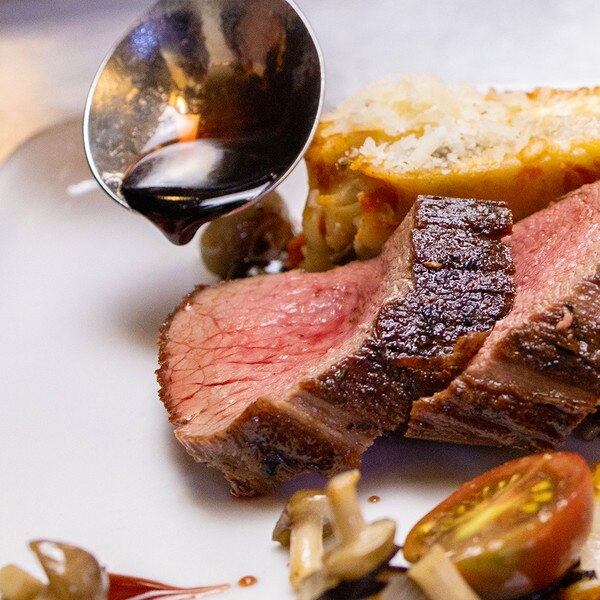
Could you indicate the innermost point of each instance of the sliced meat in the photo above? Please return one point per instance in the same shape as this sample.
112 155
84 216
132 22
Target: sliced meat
538 374
269 377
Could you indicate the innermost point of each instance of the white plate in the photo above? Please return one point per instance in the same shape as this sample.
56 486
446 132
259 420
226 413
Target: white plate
86 452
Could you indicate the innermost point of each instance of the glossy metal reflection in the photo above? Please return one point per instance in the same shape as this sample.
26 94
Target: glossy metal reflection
243 76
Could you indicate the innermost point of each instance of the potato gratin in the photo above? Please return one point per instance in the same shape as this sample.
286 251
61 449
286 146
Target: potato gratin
394 140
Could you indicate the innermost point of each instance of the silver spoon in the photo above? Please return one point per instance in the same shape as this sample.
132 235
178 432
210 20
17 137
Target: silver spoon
203 107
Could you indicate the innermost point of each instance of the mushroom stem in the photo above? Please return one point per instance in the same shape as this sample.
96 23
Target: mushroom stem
345 509
439 578
361 547
302 526
17 584
306 547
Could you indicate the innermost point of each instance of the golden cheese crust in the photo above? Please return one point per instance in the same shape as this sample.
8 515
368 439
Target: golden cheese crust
392 141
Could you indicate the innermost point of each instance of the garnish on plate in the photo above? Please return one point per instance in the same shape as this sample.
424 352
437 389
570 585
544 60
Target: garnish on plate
517 531
75 574
357 551
249 242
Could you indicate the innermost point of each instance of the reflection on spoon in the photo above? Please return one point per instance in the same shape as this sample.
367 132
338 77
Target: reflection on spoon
241 81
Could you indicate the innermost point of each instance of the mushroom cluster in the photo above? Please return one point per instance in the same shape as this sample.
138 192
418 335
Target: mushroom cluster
355 549
335 553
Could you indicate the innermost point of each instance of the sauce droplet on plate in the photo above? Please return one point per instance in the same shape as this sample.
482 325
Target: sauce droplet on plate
124 587
247 581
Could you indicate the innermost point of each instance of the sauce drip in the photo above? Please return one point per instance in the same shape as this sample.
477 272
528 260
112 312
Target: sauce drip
183 184
247 581
373 499
124 587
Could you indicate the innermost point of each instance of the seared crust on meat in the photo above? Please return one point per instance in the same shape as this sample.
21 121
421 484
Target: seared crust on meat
443 280
542 381
538 374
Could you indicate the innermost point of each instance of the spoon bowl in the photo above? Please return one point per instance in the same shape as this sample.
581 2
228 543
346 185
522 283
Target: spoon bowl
203 107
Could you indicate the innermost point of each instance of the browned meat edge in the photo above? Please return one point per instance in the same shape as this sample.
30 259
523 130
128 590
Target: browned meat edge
462 284
543 379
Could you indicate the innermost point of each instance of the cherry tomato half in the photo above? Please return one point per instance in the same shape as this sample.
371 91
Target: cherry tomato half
515 529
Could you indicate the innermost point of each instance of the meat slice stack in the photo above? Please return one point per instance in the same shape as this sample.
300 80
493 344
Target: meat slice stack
269 377
538 374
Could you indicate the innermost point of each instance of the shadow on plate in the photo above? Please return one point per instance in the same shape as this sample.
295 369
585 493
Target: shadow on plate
208 487
394 462
141 308
390 464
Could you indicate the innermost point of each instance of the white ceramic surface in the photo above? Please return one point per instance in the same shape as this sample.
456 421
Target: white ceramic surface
86 453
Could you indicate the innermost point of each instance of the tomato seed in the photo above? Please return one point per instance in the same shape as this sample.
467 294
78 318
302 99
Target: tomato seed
543 496
541 486
530 507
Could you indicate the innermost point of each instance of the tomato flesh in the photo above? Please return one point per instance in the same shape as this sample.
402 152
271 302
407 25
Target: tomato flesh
515 529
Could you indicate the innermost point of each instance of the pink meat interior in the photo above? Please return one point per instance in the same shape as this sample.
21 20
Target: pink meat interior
553 250
238 341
